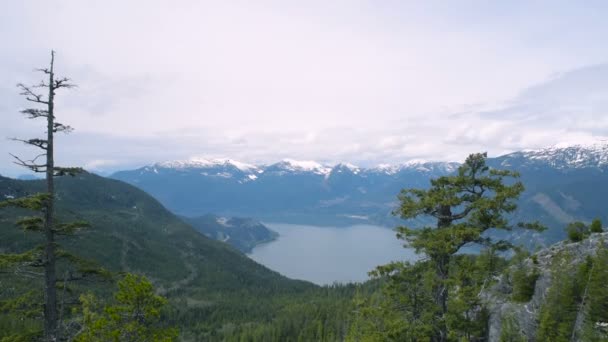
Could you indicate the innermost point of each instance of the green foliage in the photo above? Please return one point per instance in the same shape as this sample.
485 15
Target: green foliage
562 304
577 231
33 202
404 308
510 330
215 293
524 282
465 206
596 320
136 315
596 226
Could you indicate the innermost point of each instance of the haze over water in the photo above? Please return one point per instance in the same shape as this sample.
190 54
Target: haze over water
324 255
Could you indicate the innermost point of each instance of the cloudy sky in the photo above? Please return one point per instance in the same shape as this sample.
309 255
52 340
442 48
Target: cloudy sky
365 82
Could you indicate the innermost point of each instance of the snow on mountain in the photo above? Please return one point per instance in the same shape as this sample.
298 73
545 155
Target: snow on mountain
204 163
563 156
416 165
253 172
301 166
346 167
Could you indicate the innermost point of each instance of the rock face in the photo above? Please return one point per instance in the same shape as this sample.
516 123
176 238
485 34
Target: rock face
525 315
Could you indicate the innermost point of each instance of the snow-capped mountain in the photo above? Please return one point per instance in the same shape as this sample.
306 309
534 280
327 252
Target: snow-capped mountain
563 183
228 168
289 187
203 163
417 166
561 156
295 166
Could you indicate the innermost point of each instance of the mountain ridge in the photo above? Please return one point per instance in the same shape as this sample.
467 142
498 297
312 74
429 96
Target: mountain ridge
563 183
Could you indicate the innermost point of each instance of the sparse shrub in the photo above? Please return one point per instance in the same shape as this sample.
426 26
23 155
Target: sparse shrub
577 231
596 226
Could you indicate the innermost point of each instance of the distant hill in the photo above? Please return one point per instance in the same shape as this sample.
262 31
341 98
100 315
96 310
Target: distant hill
131 231
241 233
563 183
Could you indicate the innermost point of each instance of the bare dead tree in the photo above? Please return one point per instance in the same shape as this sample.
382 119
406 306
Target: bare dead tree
46 224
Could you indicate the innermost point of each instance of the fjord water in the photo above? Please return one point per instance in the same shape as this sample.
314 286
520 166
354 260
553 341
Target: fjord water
324 255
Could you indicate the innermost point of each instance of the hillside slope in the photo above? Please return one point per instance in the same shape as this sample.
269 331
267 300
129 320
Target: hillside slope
216 292
131 231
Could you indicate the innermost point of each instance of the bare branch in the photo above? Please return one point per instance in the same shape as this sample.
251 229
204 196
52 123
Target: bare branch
42 84
30 95
38 156
44 70
29 164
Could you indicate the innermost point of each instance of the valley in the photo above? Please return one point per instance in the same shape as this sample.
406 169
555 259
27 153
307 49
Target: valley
303 171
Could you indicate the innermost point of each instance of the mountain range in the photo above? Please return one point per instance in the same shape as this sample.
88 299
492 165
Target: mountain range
563 183
287 191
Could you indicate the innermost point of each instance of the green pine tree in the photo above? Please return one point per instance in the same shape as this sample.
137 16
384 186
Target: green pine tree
135 316
596 226
464 205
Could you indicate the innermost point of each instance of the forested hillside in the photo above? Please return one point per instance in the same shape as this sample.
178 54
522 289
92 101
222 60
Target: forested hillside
210 285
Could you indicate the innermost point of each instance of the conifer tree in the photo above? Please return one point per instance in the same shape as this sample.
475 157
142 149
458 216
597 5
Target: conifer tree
45 223
596 226
136 315
465 205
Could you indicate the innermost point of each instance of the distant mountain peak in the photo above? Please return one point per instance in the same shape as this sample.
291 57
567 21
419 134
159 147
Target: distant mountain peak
204 163
303 166
567 155
347 166
418 165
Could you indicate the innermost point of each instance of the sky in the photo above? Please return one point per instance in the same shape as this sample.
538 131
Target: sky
365 82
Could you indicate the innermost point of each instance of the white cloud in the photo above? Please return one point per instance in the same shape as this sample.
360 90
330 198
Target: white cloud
366 82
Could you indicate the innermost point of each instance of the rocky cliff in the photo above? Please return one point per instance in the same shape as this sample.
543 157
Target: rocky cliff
545 264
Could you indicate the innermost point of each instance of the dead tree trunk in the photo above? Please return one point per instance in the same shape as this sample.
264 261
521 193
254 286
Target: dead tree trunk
50 277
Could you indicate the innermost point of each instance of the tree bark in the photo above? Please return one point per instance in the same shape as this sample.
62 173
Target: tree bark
442 263
50 277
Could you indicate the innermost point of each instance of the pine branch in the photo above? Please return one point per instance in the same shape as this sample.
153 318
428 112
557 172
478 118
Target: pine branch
63 83
63 171
34 202
86 268
58 127
26 273
33 113
40 143
9 260
70 228
535 226
31 223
